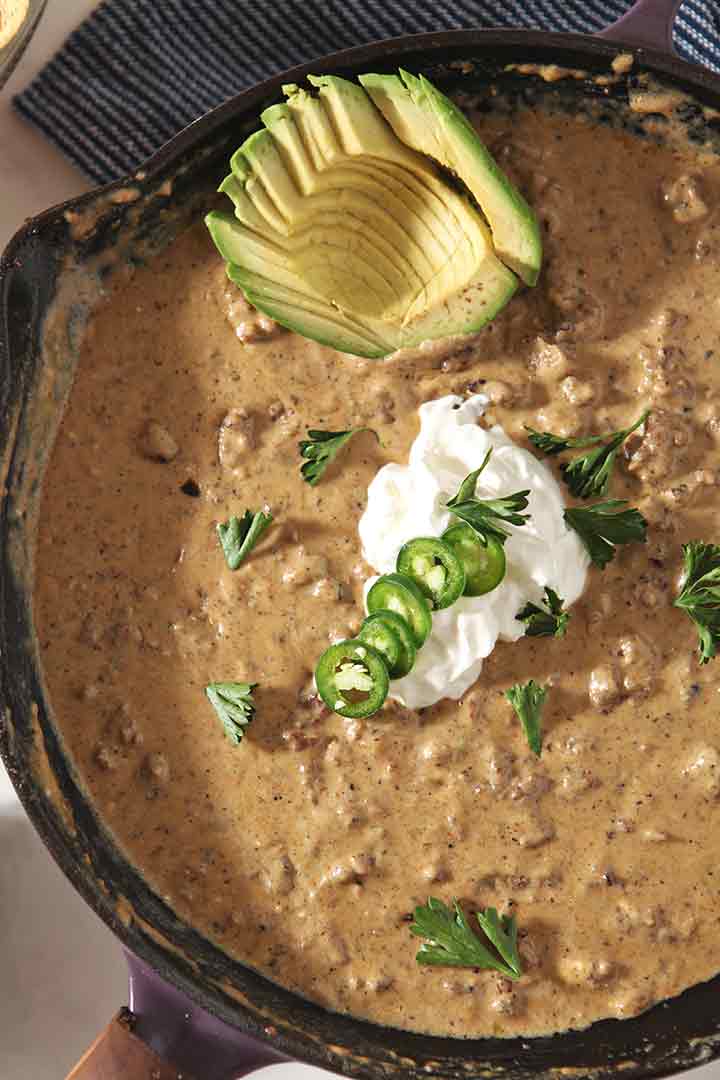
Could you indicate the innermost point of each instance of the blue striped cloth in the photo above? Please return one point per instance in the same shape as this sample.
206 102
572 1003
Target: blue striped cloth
136 71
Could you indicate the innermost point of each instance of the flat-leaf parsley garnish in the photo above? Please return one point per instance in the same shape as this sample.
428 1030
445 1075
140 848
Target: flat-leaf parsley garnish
700 594
238 536
548 621
450 940
551 444
233 703
527 699
486 515
604 525
321 447
589 474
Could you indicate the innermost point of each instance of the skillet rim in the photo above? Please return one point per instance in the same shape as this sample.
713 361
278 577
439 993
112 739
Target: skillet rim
376 1050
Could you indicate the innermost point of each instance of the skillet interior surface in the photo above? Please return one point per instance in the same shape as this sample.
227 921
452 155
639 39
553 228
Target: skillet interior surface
83 239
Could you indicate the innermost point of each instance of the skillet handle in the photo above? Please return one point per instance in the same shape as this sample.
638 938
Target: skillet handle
165 1036
198 1043
118 1054
648 23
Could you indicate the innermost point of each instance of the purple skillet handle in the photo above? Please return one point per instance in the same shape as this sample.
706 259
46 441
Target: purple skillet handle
648 23
187 1036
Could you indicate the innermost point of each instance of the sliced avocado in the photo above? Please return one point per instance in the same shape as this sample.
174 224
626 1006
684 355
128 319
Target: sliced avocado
278 120
347 234
430 122
307 315
314 127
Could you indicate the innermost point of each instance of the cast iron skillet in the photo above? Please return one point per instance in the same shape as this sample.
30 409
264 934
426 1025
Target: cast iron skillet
206 1032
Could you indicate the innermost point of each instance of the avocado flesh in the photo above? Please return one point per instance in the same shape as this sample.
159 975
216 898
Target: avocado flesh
350 237
426 120
312 317
355 214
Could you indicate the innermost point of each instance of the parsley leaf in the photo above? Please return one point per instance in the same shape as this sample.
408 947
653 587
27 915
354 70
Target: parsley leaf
502 931
321 447
589 474
700 594
238 536
527 699
483 515
551 444
451 941
605 524
233 703
550 621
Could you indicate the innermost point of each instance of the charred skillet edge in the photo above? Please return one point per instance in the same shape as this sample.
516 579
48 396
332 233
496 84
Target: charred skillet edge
442 47
675 1035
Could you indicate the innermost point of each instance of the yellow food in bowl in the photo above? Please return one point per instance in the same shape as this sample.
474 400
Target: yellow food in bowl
12 16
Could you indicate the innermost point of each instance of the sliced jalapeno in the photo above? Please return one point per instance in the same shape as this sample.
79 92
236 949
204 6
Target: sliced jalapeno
435 568
390 620
352 679
484 562
396 592
383 638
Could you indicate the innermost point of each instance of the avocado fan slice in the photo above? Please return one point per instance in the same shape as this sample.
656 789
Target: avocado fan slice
345 230
428 121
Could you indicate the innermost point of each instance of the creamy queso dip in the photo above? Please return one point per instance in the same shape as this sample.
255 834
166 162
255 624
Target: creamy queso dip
303 851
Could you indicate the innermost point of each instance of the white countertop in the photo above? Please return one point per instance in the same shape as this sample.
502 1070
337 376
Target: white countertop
62 976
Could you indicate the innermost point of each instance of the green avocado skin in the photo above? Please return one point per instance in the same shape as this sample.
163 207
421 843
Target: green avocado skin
335 236
428 121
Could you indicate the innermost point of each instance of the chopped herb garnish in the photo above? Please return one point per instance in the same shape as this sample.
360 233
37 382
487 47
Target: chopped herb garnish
602 526
588 475
233 703
700 594
548 621
483 515
551 444
527 699
451 941
321 447
239 536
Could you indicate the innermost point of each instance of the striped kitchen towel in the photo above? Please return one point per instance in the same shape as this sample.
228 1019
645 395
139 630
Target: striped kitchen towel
136 71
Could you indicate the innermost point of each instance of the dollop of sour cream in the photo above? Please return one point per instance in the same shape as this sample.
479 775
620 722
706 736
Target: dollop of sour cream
407 501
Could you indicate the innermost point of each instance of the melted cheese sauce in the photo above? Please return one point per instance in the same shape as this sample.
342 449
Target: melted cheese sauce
303 851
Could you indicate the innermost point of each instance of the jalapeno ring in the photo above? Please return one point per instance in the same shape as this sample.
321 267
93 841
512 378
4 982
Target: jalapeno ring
383 638
390 620
352 679
396 592
435 568
484 563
